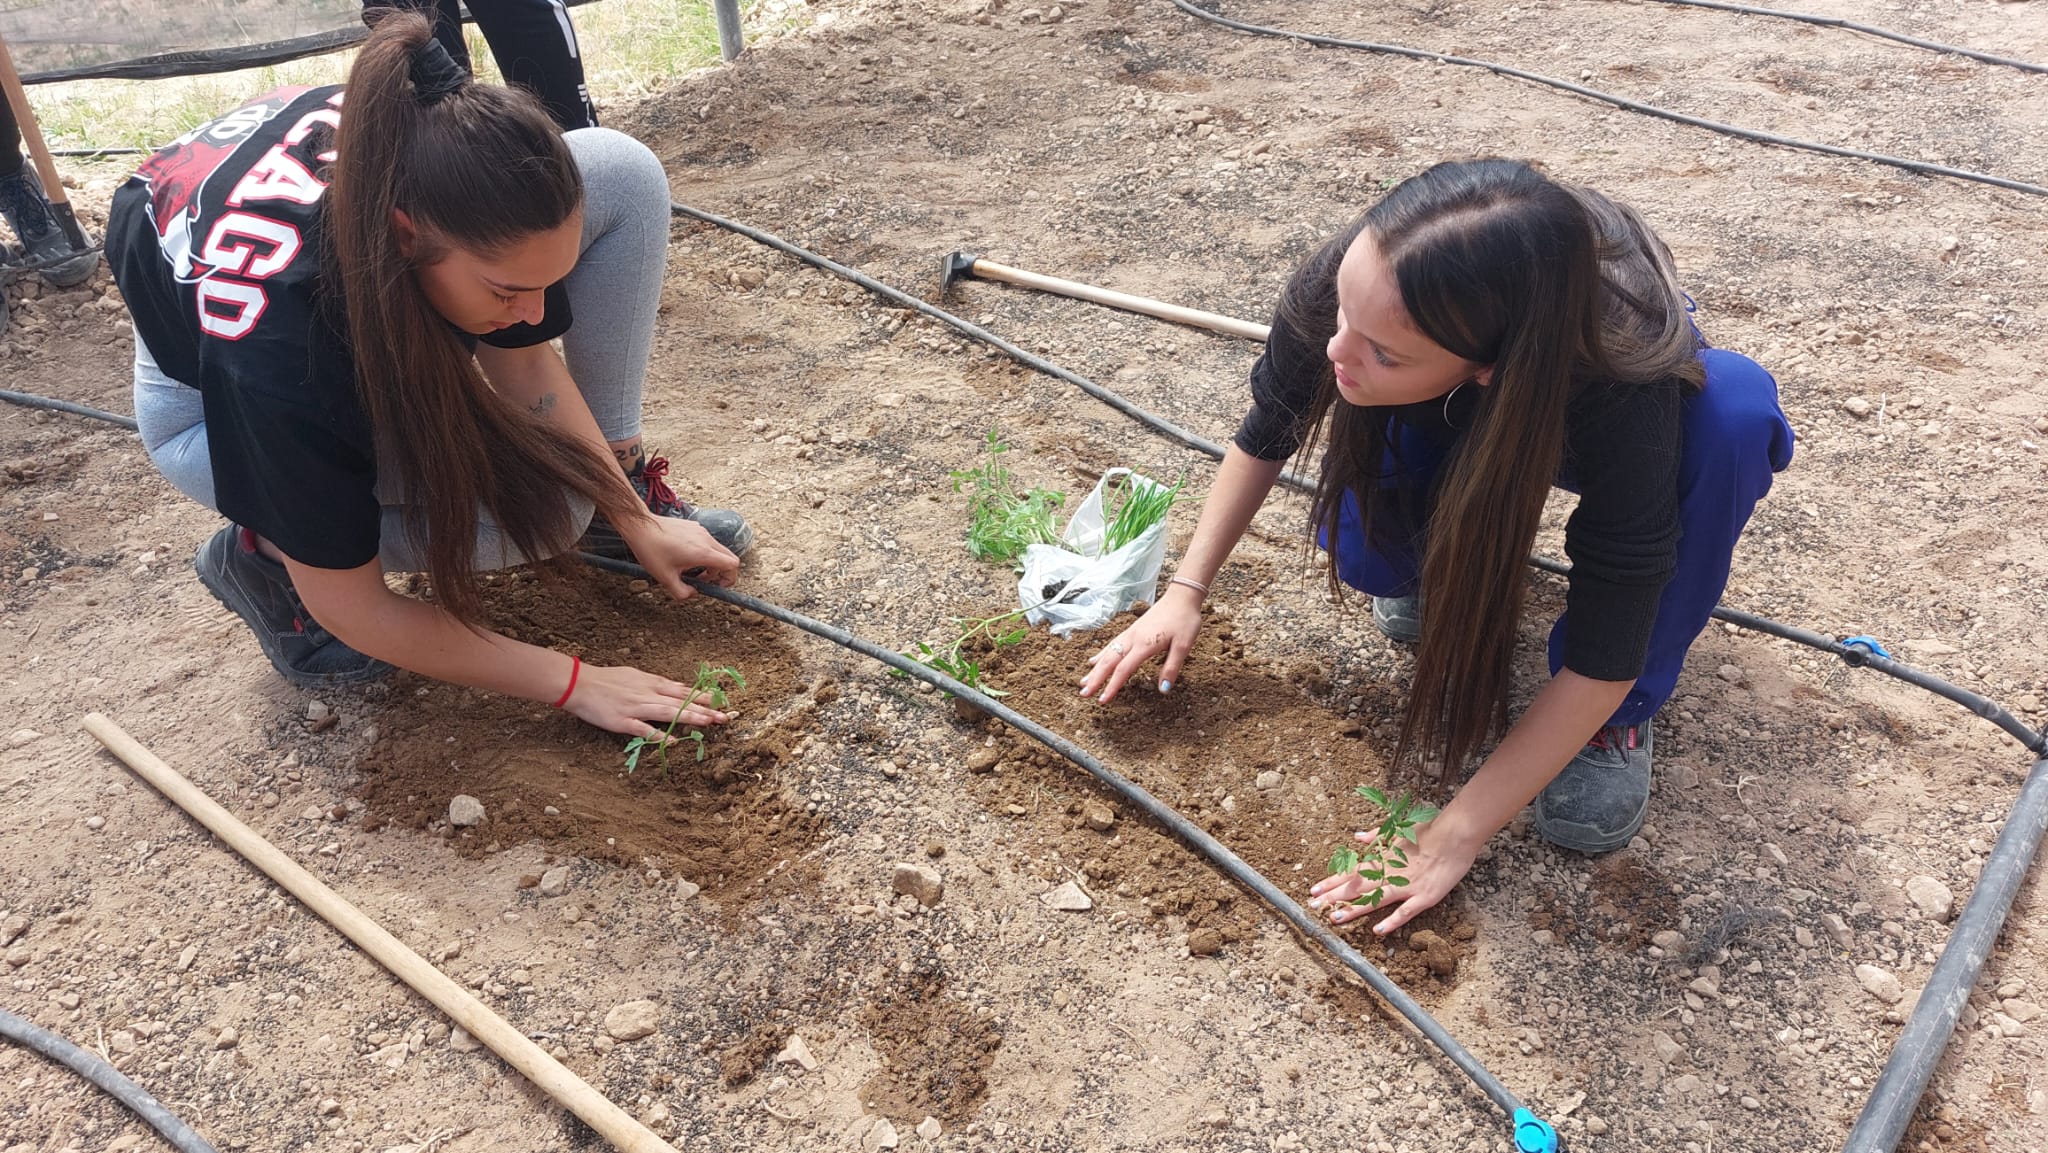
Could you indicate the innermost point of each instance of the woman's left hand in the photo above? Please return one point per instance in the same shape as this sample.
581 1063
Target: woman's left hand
671 548
1437 861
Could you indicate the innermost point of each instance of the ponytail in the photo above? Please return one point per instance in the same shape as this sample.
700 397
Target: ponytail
480 168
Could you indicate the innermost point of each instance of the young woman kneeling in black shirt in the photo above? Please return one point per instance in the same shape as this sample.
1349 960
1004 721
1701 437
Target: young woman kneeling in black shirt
1479 334
343 312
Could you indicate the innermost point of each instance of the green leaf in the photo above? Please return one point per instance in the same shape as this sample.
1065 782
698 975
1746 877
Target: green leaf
1344 860
1374 795
1423 814
1397 880
1372 874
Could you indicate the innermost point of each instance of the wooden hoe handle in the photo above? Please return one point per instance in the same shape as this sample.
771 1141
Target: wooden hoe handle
569 1090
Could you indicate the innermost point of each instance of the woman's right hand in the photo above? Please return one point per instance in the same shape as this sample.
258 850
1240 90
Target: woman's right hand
1169 626
625 700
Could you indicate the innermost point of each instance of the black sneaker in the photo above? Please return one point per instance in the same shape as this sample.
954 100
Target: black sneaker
725 526
1399 617
1598 802
42 240
261 593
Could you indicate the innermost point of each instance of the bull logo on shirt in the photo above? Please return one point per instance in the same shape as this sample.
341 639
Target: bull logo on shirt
177 176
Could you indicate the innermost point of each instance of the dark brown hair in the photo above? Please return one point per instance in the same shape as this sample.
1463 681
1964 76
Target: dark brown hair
478 168
1559 289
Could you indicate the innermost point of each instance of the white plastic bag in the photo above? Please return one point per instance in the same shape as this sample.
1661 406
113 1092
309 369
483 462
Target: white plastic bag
1072 588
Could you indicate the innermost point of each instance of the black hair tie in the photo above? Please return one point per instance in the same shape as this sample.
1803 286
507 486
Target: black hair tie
435 74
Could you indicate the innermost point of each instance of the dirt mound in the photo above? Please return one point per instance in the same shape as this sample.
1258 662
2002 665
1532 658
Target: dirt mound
1206 749
935 1052
729 823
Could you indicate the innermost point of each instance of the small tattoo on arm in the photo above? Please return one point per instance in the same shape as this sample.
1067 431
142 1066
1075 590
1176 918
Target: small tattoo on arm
543 406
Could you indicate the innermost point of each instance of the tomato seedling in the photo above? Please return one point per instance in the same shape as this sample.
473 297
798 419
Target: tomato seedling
710 683
1001 524
1379 858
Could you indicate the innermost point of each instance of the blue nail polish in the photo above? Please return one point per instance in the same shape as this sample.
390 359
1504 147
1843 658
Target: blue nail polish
1165 686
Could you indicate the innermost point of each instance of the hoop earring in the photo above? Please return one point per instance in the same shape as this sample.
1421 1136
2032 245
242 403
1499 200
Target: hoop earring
1447 401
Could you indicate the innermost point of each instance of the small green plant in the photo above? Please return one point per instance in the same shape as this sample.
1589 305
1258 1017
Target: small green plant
710 682
1380 857
1137 510
1001 524
954 661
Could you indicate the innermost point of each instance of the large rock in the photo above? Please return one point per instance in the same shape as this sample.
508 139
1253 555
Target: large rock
1880 984
920 881
1931 897
633 1020
465 810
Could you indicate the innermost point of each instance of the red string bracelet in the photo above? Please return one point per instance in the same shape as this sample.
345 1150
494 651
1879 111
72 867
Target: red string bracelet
575 669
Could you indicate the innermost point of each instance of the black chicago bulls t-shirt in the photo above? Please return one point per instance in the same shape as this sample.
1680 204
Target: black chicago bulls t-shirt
216 242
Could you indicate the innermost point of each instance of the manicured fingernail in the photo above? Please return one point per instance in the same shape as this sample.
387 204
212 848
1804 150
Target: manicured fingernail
1165 686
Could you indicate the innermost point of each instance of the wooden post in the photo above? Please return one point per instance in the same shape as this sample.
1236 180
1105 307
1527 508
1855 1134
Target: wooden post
39 152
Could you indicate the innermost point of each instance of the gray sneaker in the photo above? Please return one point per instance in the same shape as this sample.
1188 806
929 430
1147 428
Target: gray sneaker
1399 617
41 239
1598 802
725 526
260 591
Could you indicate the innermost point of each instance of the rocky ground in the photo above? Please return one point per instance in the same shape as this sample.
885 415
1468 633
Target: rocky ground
858 922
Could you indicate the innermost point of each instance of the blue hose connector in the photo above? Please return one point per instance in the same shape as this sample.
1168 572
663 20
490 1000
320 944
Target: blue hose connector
1533 1135
1869 645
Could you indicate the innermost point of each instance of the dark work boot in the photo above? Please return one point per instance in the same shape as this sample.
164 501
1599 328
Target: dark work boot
260 591
41 240
1598 802
725 526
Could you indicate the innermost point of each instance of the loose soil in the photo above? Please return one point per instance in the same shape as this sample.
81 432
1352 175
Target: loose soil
749 896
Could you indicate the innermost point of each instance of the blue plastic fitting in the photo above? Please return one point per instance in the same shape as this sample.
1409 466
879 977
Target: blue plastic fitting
1533 1135
1869 645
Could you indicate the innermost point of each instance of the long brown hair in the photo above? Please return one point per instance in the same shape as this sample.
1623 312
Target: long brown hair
1559 289
480 168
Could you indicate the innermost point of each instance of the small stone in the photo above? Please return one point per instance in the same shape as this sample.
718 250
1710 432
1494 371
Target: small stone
1100 818
1667 1049
124 1041
1733 674
554 882
465 810
655 1114
12 928
227 1038
1838 929
1068 898
1669 940
632 1020
1596 1126
20 737
930 1129
983 760
1055 14
2020 1010
460 1040
317 711
797 1053
1704 987
1931 897
1687 1084
186 956
19 956
67 1000
1880 984
328 1107
1803 937
1205 942
1543 937
1270 779
934 849
881 1136
95 823
685 889
920 881
1857 407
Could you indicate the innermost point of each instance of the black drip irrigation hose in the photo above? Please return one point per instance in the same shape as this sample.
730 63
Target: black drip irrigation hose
1215 851
1758 136
27 400
1866 29
91 1067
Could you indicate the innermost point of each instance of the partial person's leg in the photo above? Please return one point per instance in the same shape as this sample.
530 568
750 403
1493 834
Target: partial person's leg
535 46
1389 566
171 419
614 294
1736 439
11 159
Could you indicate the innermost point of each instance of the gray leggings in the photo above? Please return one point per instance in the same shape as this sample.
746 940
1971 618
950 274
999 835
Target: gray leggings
614 291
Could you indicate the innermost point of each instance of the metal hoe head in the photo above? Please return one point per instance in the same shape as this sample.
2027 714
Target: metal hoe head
952 268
